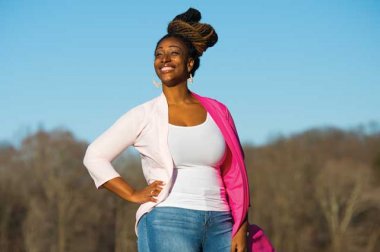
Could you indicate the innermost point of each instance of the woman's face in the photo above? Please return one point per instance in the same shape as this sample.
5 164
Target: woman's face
171 61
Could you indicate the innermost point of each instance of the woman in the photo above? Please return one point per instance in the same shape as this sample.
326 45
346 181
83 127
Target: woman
197 197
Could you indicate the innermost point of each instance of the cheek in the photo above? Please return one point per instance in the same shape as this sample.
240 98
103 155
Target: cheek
155 64
181 63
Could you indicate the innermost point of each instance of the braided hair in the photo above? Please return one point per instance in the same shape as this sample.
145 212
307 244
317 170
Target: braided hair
196 36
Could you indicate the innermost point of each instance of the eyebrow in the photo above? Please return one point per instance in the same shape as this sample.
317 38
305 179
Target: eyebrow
170 46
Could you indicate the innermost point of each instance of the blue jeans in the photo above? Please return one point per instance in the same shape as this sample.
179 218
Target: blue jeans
176 229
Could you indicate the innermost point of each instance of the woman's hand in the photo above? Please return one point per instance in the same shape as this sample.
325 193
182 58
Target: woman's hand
121 188
239 241
148 193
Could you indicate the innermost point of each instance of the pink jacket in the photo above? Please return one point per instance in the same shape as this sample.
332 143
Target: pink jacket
146 128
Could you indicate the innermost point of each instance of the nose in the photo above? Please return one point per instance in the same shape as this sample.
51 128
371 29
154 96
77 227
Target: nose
165 57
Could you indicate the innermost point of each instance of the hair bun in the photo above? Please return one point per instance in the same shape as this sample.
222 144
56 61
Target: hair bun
191 15
187 25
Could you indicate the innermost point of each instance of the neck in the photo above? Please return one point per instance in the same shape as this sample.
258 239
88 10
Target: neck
177 94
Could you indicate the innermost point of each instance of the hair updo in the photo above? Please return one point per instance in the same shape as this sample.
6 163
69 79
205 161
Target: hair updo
196 36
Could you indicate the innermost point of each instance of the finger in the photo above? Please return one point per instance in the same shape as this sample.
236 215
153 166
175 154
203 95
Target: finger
154 184
242 249
233 247
153 188
158 182
158 187
154 192
150 192
148 199
152 199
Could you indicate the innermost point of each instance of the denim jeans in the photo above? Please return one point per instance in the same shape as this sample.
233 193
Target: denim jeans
173 229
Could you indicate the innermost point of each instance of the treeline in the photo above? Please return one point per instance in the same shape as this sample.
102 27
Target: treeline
315 191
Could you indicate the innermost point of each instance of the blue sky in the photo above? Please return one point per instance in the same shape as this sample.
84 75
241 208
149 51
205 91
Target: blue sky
280 66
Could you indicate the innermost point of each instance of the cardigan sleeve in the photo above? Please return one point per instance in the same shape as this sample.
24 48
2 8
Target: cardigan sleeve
232 123
107 146
233 126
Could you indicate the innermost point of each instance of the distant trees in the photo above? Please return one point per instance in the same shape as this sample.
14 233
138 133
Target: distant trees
341 194
318 191
49 203
315 191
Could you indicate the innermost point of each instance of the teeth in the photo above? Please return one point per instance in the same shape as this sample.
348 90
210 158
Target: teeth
166 68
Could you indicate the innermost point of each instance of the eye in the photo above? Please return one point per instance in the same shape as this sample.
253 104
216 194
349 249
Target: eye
158 54
175 53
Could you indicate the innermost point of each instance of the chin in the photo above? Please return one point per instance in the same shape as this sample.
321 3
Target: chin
169 81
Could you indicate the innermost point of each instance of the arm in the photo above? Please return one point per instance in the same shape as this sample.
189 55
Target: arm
106 147
239 241
100 153
232 124
121 188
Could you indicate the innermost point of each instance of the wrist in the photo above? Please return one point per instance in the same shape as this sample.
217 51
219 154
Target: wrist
130 196
244 226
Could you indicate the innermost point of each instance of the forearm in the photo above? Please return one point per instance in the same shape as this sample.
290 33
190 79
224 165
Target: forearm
244 224
120 187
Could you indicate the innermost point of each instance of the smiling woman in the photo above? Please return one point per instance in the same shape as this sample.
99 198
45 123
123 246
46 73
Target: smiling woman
197 197
185 42
172 62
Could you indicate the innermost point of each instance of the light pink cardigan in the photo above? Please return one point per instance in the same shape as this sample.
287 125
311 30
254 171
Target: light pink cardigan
146 128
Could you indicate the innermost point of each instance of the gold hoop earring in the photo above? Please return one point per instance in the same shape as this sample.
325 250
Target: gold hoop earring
191 78
156 83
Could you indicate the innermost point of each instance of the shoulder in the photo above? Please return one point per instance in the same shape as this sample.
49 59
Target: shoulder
216 103
147 104
208 100
140 111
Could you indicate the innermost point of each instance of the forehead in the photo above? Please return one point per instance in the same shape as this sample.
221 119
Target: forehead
172 42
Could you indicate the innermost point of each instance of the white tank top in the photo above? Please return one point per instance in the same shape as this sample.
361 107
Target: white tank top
197 151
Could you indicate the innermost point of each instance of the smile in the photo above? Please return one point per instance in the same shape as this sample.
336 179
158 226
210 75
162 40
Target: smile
166 69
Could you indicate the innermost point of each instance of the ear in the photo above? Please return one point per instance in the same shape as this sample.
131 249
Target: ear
190 64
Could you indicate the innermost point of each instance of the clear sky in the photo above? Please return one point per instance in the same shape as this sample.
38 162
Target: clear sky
280 66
